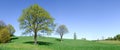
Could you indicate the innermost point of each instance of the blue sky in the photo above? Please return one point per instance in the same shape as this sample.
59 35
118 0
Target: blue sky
90 19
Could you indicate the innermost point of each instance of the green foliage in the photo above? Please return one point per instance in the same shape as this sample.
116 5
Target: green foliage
61 30
11 29
5 32
117 37
4 35
35 19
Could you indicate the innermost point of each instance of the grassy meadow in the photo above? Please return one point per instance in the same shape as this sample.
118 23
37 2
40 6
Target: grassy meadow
45 43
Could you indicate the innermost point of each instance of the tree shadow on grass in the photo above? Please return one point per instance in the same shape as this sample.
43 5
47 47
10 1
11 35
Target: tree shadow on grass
39 43
57 39
14 38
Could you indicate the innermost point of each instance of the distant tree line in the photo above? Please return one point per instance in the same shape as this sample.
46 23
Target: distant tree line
117 37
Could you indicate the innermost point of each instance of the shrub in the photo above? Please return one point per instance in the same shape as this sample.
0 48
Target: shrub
4 35
117 37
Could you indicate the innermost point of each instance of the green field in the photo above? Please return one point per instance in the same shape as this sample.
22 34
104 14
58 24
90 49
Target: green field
44 43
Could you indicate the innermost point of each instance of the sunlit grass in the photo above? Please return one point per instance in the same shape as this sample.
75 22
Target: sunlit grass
24 43
110 42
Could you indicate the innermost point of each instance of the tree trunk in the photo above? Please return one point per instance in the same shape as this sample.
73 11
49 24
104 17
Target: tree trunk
61 38
35 38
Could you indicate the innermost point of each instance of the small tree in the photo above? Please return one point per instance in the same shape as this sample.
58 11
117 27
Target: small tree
11 29
61 30
75 37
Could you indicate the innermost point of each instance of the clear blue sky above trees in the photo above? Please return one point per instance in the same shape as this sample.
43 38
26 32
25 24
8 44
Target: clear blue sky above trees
90 19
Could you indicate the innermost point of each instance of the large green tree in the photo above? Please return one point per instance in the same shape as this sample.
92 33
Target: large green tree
34 19
61 30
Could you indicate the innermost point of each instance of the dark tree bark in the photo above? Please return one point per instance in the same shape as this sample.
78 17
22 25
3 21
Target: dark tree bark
35 38
61 37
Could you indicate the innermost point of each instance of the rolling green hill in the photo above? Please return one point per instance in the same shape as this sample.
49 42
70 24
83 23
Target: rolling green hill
44 43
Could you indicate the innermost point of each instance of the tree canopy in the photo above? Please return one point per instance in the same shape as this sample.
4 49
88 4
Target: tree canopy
11 29
61 30
34 19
